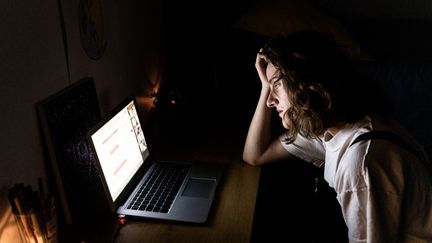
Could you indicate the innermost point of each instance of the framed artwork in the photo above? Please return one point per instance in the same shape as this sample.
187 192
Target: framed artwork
65 119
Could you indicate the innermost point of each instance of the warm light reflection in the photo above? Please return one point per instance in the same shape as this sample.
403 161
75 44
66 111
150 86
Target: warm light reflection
154 79
8 228
145 104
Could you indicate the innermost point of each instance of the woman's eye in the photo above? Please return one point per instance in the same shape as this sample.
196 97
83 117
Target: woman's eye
276 85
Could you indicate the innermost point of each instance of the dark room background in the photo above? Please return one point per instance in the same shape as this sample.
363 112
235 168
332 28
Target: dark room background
186 47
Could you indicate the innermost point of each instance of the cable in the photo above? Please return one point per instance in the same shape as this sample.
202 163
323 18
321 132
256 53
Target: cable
120 222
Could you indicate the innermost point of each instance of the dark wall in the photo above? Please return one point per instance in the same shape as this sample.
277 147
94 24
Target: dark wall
195 37
41 53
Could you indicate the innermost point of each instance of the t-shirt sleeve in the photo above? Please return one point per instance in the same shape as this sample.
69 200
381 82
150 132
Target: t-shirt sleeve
308 149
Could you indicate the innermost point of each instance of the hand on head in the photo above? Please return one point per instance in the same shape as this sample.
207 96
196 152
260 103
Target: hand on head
261 64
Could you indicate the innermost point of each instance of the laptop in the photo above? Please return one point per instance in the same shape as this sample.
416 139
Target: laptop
139 187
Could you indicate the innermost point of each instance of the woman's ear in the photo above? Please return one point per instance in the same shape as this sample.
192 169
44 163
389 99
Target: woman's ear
319 99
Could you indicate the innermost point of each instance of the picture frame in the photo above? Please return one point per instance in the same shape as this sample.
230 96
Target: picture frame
65 118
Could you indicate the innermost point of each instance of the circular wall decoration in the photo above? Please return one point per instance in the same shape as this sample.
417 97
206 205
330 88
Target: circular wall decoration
91 24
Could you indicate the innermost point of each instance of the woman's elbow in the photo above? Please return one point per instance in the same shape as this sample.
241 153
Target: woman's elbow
251 161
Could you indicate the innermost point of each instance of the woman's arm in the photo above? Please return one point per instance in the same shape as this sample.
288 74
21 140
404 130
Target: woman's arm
260 147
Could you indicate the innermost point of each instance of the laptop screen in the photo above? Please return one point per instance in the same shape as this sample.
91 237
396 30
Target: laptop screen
121 148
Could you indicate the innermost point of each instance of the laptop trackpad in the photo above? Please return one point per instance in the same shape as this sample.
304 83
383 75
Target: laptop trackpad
197 187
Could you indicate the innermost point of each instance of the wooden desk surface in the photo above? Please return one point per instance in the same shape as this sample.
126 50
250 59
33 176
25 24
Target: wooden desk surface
232 213
231 217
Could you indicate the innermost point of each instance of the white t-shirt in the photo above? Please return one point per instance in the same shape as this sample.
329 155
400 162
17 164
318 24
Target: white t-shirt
384 191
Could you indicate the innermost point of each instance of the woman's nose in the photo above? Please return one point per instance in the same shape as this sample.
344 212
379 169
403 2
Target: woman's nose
271 100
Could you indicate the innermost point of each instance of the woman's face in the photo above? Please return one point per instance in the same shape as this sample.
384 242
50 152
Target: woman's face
278 97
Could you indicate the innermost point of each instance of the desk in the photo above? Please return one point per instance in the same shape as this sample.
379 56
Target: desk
232 213
230 219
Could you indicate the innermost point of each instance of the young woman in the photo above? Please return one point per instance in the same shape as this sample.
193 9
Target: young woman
381 182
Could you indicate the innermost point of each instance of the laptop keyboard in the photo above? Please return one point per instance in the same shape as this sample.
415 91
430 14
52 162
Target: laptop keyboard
159 189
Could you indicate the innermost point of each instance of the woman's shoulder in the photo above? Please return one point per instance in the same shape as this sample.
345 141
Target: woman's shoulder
308 149
370 164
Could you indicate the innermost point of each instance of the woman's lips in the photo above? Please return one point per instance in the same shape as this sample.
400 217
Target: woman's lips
280 112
